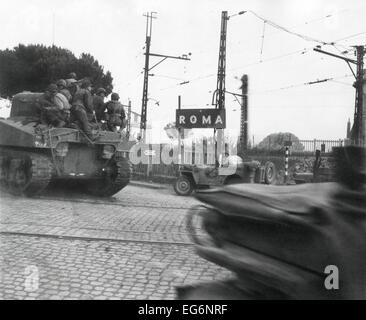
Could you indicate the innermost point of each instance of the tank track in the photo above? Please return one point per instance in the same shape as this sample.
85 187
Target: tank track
124 169
37 170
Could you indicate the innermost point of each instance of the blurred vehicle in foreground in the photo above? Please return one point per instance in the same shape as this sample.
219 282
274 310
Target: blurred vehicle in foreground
279 241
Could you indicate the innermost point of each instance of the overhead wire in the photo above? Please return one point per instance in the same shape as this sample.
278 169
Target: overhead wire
277 26
281 28
334 79
264 29
341 82
350 36
167 77
301 51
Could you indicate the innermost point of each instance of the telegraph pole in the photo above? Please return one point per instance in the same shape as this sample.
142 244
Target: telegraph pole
221 70
147 69
358 130
220 88
358 135
244 114
149 17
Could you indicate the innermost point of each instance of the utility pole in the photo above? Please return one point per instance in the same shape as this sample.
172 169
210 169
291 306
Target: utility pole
149 17
221 70
128 129
358 135
358 130
244 114
220 88
147 69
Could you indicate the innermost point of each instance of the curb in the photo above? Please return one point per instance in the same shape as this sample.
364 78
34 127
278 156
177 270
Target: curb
149 185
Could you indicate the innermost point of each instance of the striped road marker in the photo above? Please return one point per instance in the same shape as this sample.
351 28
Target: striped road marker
286 164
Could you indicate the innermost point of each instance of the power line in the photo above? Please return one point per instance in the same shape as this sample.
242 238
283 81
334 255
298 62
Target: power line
344 83
303 23
277 26
303 84
302 51
304 37
264 29
351 36
167 77
281 28
314 20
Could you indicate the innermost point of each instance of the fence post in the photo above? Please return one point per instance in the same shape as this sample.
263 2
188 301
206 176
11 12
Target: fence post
204 147
193 152
314 145
149 162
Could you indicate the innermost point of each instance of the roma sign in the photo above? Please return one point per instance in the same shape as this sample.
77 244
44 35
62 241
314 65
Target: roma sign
200 118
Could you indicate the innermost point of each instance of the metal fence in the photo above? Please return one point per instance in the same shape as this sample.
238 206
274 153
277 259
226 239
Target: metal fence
196 156
323 145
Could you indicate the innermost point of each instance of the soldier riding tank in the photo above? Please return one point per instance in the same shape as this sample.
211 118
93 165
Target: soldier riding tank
31 156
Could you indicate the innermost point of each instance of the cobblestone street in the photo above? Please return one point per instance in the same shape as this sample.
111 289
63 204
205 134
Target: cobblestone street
69 246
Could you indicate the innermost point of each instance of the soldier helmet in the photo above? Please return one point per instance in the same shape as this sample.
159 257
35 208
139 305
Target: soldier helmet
61 82
52 88
70 82
85 83
72 75
101 90
115 96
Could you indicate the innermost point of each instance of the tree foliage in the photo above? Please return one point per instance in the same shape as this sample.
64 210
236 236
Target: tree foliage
276 141
34 67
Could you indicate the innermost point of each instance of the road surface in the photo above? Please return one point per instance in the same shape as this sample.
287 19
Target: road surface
66 245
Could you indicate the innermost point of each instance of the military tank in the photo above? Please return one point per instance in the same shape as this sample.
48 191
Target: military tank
32 156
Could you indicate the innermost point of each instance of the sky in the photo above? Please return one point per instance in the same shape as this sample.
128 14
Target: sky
277 63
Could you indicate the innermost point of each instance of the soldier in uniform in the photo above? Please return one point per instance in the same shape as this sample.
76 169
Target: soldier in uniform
98 103
116 115
61 84
72 83
71 78
53 106
82 107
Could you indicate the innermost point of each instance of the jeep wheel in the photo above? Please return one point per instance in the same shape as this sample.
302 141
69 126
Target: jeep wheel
233 180
270 173
183 186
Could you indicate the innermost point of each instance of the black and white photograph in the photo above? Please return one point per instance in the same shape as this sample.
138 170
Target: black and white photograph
169 150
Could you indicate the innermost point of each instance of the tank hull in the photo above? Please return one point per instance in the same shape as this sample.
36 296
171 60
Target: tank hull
32 156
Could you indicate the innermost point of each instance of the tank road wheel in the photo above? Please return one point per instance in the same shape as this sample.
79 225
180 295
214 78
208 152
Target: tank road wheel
183 186
4 169
270 173
115 176
26 174
19 176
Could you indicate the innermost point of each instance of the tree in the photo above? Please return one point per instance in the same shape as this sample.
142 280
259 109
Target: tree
276 141
34 67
